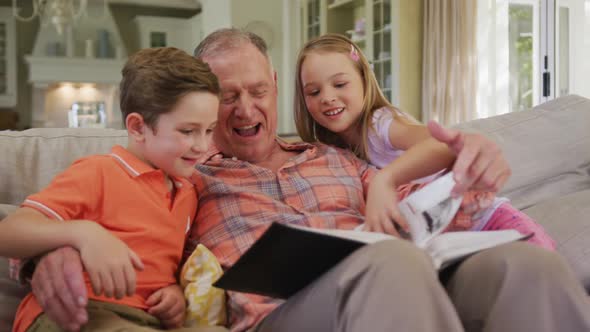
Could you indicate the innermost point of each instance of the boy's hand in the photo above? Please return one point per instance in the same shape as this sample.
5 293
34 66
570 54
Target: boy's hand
168 305
108 260
382 213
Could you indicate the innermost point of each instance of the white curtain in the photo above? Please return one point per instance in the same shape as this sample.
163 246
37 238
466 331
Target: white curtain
449 76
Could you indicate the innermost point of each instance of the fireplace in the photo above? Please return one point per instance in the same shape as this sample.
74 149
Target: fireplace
83 65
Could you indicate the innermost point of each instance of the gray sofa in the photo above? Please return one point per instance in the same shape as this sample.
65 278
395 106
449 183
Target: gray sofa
548 148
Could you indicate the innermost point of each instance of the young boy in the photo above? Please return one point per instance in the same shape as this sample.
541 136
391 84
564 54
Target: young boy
127 212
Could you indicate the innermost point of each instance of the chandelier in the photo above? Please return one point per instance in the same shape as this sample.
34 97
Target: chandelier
60 13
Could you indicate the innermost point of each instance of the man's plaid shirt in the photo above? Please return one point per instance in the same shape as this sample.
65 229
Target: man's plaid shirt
322 187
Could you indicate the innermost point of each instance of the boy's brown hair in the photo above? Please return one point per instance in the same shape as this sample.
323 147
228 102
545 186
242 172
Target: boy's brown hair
155 79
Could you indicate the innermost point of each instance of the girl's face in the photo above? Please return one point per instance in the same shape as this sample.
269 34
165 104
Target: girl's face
333 92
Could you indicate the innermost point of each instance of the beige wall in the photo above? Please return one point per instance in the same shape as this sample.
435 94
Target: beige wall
270 12
124 14
25 38
410 43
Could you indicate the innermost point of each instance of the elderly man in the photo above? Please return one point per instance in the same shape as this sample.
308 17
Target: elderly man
383 287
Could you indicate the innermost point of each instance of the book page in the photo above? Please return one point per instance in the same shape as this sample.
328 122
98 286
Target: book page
431 209
356 235
450 247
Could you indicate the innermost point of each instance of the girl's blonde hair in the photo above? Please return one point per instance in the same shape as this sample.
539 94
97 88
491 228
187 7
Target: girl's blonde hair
311 131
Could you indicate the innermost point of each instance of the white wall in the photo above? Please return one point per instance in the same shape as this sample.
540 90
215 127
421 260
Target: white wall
183 33
267 17
586 43
215 14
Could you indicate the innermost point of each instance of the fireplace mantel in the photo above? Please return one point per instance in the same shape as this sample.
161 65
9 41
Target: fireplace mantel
47 70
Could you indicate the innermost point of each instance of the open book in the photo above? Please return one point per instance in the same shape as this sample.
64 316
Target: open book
286 258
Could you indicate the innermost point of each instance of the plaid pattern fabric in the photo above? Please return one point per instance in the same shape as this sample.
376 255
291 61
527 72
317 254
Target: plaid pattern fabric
321 187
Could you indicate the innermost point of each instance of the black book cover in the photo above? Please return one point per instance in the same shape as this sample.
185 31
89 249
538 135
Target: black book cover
284 260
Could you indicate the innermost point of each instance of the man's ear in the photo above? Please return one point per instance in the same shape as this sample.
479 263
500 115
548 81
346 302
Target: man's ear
276 79
136 127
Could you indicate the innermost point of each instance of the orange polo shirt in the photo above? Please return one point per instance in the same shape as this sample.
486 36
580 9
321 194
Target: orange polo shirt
131 200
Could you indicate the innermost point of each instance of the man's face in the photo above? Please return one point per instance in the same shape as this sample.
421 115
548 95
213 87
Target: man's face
247 119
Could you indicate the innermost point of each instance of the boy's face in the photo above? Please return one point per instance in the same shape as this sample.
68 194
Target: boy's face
181 137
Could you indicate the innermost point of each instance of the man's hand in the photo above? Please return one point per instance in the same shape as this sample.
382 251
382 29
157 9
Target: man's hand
168 305
58 284
480 164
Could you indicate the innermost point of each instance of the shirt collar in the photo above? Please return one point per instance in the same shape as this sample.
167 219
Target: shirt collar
130 163
136 167
297 146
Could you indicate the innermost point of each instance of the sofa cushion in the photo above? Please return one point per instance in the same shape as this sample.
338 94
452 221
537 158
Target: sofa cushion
567 220
6 209
31 158
547 148
11 294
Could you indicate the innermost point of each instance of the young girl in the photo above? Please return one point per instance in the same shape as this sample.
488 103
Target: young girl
338 102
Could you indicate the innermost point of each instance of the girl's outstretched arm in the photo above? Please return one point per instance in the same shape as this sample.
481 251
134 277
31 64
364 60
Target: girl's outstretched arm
423 156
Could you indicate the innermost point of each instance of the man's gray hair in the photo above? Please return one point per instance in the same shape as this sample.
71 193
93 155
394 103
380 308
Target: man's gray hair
226 39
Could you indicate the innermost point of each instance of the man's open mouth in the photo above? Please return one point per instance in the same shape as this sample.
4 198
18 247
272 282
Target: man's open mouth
247 131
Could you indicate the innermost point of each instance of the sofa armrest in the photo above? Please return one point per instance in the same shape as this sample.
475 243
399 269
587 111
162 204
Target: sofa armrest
546 147
11 293
6 209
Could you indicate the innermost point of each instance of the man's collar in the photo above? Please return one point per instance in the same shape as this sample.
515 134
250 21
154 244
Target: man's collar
294 146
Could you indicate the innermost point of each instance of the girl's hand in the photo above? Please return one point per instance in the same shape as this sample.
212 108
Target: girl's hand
168 305
108 260
480 164
382 213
